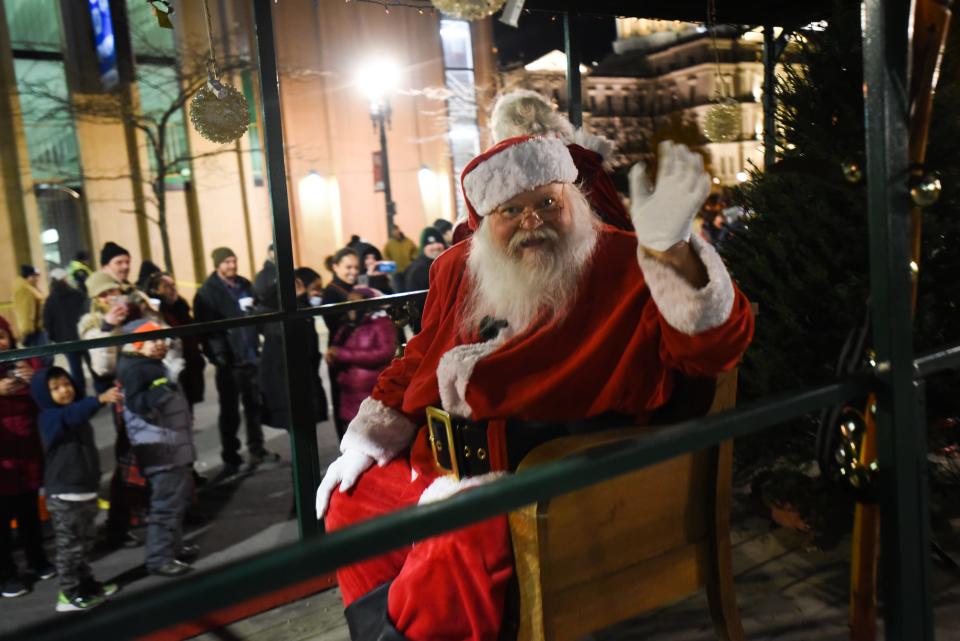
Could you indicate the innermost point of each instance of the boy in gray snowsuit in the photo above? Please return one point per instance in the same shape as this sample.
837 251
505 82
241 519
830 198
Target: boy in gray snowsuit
159 424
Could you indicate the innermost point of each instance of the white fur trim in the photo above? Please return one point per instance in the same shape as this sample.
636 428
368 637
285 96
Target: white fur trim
516 169
446 486
593 142
454 371
378 431
685 308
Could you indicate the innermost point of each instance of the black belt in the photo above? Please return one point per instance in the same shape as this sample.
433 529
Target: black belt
462 448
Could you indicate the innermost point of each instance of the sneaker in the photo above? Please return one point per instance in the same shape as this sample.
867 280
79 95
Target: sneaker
77 602
188 552
126 540
45 571
14 587
92 587
171 569
227 472
259 458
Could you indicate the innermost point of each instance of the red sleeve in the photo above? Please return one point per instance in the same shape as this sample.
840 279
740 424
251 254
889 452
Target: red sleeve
395 379
712 351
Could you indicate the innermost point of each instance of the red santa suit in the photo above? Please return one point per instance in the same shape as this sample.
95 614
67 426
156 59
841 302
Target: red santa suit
633 324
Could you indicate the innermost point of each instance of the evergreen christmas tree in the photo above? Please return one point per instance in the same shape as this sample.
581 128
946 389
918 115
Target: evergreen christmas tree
803 252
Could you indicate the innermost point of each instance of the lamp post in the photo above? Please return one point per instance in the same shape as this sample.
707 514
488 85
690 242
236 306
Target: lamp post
376 79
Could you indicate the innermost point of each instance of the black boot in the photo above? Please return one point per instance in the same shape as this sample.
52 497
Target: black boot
367 617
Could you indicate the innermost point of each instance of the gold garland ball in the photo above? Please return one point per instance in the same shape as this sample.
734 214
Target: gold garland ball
219 119
722 121
468 9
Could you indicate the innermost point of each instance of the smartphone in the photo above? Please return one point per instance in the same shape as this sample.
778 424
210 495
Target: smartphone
386 266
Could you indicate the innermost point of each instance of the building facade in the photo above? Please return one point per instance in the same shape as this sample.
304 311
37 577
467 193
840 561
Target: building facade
83 86
661 80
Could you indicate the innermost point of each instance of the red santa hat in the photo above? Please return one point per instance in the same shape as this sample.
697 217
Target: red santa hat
511 167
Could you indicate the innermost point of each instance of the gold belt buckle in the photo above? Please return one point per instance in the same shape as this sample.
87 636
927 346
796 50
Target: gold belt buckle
438 416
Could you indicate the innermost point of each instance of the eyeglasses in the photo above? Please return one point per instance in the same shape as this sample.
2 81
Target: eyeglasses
546 209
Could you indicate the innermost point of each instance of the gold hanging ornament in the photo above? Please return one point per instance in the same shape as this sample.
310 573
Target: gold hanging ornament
925 190
468 9
218 112
723 121
851 172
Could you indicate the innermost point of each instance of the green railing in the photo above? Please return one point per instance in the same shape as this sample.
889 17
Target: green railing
900 411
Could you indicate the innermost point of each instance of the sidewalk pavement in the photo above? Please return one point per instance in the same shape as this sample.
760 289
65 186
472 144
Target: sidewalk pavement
242 516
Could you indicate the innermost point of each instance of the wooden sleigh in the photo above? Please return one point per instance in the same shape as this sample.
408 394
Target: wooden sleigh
615 550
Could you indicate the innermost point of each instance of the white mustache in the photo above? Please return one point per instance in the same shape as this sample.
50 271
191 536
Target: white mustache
547 234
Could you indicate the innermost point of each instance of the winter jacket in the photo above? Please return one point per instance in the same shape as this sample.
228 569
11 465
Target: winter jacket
417 276
27 307
79 272
62 311
402 252
156 413
336 292
72 461
103 360
214 301
191 378
276 406
21 455
362 352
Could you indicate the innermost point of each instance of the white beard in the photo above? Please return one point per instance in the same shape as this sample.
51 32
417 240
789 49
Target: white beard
506 284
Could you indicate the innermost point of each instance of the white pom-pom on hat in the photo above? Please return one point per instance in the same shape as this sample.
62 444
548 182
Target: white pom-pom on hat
526 113
523 112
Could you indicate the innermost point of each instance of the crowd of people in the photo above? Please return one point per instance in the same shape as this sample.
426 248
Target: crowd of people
150 388
545 226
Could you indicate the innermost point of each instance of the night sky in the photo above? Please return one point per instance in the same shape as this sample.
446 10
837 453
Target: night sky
538 34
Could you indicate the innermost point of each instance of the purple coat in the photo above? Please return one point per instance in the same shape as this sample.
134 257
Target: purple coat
361 356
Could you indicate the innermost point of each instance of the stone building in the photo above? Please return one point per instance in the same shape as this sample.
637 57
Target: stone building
69 182
661 79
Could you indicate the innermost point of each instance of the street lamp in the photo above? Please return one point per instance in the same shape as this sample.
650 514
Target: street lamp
376 80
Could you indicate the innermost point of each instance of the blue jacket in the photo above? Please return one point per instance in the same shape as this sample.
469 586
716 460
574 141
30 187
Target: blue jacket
72 459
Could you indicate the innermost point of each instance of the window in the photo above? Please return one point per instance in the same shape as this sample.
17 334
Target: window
34 26
462 104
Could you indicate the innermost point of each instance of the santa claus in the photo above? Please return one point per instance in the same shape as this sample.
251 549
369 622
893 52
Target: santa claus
527 113
525 338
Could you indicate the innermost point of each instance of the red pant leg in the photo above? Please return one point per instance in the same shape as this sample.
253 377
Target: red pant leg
452 587
380 490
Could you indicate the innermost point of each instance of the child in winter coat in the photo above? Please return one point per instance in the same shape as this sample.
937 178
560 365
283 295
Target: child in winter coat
159 421
21 469
71 479
360 350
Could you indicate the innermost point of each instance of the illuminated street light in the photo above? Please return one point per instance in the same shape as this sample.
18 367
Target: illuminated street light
376 80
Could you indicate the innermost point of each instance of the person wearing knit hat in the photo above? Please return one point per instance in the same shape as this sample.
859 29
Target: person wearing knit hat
221 254
114 301
62 310
28 310
432 244
159 424
236 355
523 323
115 260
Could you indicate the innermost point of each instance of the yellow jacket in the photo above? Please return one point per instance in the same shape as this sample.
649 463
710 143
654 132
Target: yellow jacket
402 252
27 307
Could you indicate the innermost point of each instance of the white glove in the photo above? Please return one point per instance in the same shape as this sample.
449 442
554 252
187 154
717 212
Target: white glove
662 218
345 471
